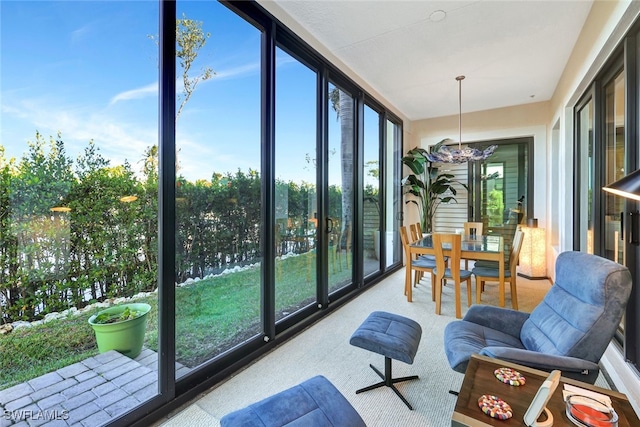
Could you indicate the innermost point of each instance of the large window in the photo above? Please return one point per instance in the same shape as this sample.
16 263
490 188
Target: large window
607 147
219 182
296 212
194 156
393 197
614 166
78 203
585 167
340 160
371 191
499 189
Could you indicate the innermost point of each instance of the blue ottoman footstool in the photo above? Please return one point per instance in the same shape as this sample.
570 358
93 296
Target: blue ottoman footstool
393 336
313 403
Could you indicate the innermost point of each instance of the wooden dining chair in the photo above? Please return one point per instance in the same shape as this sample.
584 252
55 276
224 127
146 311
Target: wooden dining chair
492 274
475 229
416 265
416 234
416 231
453 273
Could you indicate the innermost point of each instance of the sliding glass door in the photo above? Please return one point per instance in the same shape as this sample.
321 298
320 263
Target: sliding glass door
296 191
500 195
219 184
614 168
606 224
603 226
371 192
585 164
340 191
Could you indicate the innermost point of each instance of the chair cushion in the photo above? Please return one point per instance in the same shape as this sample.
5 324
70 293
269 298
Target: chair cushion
464 338
315 402
432 257
489 272
493 264
423 263
582 310
464 274
485 264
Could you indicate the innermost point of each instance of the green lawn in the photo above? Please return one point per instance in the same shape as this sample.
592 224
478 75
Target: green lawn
212 315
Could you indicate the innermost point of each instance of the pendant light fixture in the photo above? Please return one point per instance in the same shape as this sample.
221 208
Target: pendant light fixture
461 154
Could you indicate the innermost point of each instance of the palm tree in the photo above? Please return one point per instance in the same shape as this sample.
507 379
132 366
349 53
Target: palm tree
342 104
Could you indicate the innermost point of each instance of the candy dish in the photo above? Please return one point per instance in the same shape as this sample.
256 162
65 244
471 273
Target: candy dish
585 411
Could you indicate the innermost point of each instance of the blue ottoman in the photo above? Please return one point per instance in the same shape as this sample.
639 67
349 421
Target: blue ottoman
393 336
314 403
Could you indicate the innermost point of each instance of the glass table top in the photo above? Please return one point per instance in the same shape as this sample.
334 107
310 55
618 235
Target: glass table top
491 243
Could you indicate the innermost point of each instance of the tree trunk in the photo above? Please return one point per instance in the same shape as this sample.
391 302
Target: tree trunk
346 146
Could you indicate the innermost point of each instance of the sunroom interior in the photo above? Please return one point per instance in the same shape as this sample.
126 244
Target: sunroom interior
559 165
319 251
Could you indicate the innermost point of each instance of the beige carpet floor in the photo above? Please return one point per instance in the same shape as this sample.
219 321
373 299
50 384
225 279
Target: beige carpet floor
324 349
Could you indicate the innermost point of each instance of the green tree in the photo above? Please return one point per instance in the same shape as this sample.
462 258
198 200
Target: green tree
148 214
37 191
107 229
495 207
342 104
8 240
190 39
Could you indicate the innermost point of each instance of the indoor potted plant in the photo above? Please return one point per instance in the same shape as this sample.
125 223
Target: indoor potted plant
427 185
121 328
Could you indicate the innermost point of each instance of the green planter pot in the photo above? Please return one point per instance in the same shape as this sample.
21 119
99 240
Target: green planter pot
126 336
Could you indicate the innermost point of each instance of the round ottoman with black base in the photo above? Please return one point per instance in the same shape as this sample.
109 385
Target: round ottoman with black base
394 337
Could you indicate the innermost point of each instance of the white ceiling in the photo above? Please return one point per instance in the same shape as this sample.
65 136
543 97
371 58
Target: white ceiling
512 52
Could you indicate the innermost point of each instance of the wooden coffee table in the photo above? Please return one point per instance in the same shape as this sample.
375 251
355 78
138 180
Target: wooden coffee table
479 379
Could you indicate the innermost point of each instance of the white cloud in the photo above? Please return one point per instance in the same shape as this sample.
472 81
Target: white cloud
237 71
152 88
139 93
117 139
80 34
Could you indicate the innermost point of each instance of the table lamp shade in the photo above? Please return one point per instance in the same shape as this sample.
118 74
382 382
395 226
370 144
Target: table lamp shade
628 187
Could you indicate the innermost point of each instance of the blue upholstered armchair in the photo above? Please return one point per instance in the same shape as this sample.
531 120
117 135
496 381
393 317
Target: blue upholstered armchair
569 330
315 402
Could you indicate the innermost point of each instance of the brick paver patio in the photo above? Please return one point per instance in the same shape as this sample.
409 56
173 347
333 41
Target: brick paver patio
88 393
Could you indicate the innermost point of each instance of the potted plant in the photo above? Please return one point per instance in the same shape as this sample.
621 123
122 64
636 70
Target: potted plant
427 185
121 328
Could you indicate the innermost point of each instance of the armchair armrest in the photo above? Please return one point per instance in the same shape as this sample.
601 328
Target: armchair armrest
545 362
502 319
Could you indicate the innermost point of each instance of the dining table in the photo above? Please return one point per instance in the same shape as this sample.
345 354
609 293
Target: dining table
473 247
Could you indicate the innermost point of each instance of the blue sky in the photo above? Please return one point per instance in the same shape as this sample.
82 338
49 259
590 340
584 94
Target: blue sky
89 70
67 66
